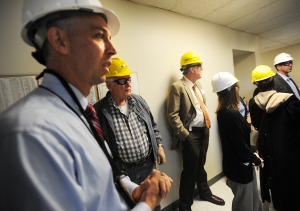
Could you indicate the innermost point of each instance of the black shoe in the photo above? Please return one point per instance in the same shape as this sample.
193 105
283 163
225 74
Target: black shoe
214 199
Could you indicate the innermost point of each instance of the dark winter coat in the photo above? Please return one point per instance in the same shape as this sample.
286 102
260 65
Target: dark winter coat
278 145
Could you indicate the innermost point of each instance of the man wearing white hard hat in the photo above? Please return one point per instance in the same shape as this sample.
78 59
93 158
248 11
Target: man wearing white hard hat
283 62
53 153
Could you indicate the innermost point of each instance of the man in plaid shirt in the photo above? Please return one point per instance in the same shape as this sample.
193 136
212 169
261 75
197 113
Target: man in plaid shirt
128 123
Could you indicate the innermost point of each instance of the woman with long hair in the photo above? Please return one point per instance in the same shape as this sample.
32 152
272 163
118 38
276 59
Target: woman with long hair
238 159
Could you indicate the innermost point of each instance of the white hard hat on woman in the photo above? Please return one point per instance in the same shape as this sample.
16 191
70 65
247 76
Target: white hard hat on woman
222 81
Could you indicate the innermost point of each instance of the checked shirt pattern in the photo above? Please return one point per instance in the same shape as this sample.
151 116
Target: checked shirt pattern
131 133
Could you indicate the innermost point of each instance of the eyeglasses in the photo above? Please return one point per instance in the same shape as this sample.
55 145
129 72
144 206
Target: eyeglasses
122 81
196 65
286 63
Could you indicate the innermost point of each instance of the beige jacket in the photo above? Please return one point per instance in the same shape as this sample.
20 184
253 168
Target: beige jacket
181 109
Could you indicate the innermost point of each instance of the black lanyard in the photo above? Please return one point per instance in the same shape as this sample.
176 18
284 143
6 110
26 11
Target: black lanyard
116 171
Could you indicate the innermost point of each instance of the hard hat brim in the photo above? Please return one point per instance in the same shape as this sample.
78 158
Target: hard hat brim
113 22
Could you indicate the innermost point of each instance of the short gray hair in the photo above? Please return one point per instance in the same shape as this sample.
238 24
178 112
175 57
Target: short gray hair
64 24
110 79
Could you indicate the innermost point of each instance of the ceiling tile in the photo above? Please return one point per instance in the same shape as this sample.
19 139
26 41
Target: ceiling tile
277 22
268 17
277 33
235 10
199 8
164 4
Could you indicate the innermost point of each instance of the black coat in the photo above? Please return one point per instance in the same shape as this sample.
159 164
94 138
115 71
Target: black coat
279 144
235 137
282 86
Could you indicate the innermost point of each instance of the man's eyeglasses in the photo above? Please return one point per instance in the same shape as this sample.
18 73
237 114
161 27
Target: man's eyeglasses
196 65
122 81
286 63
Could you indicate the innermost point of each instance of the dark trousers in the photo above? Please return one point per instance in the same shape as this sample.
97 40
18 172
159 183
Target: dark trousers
139 172
194 158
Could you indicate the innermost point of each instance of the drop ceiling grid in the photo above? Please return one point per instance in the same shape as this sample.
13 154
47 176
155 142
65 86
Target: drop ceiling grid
199 8
262 16
163 4
275 34
275 21
236 10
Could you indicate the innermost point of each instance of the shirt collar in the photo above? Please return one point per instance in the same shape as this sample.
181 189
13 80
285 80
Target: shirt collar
53 83
284 76
190 84
130 101
83 100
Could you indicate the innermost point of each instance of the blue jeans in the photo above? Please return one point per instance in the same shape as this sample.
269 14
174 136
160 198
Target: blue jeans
138 173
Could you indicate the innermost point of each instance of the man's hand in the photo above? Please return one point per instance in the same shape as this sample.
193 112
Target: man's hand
161 157
262 161
153 189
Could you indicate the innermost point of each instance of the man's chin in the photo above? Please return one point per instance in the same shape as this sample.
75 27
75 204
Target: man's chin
102 79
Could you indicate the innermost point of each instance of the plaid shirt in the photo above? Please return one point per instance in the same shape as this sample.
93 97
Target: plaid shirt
131 133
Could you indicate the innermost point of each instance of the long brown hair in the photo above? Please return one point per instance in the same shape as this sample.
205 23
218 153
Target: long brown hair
228 98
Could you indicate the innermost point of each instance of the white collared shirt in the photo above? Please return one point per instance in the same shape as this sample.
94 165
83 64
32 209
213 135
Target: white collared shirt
52 156
198 121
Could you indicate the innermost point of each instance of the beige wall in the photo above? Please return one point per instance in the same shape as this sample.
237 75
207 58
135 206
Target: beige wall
14 53
151 41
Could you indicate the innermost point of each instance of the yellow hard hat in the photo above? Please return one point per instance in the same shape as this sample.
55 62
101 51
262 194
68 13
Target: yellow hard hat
118 68
189 58
262 72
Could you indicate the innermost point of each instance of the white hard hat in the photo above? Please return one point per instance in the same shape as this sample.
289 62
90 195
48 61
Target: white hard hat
34 10
282 57
222 81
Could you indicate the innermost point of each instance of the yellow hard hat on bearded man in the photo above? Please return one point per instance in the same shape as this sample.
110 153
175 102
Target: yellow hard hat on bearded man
118 68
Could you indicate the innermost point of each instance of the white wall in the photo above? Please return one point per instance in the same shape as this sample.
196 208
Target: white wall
151 41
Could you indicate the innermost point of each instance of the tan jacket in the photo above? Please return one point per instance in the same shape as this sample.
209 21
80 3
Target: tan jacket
181 109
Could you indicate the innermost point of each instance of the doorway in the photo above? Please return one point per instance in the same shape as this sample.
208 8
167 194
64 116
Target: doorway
244 63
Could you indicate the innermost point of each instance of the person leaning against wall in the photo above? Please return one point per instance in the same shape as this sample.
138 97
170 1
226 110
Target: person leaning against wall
238 158
189 120
53 156
129 124
276 115
283 63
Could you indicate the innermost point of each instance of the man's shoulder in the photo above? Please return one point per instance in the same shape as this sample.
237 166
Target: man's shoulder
278 78
178 83
139 99
103 103
36 110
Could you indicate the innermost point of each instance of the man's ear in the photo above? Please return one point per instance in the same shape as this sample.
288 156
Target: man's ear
192 69
58 39
108 85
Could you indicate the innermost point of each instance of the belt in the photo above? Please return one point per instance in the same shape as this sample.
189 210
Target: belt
198 128
142 161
